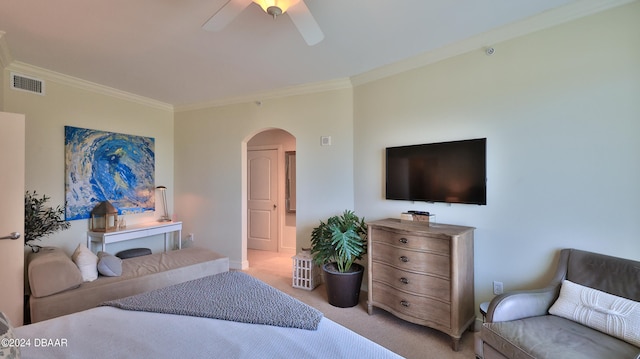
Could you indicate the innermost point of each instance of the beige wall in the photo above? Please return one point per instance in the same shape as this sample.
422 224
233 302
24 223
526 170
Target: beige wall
561 112
210 164
64 105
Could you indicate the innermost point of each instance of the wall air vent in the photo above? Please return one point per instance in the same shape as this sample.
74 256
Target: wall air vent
26 83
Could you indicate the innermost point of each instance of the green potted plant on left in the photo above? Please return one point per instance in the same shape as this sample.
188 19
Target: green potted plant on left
40 220
335 245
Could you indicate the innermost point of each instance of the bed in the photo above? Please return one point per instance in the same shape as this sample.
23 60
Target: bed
179 321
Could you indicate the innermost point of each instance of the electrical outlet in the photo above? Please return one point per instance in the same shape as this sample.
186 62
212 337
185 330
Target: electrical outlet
497 287
190 239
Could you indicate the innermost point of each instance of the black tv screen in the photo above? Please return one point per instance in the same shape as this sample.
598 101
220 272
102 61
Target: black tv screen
450 172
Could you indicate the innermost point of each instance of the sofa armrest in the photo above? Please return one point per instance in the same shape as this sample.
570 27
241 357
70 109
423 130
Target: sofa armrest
529 303
522 304
51 271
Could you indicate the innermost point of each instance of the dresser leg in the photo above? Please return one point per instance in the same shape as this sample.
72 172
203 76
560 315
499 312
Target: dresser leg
455 344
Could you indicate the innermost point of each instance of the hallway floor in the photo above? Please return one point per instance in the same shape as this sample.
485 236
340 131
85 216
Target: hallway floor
273 262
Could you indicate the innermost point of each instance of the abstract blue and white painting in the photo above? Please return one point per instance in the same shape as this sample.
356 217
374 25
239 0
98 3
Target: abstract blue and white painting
106 166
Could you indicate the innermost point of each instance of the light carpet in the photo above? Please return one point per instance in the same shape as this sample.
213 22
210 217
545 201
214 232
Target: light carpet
406 339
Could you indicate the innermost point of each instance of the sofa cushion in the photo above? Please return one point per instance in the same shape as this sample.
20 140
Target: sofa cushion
606 273
616 316
6 335
109 265
553 337
51 271
87 262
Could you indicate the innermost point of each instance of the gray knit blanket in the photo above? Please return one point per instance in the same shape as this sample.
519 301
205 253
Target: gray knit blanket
233 296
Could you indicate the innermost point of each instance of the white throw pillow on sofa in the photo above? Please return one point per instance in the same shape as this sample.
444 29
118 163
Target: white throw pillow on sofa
87 262
616 316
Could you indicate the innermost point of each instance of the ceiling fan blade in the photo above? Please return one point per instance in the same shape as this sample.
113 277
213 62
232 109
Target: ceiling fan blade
306 24
225 15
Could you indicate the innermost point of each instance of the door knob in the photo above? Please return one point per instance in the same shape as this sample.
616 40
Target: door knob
274 206
13 235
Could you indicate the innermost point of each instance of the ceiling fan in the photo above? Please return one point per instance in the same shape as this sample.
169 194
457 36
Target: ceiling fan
297 10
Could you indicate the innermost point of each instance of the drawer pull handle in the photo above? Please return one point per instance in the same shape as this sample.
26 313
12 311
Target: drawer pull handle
404 259
404 280
404 303
403 240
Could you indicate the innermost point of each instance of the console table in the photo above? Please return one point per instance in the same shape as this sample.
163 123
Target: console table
136 231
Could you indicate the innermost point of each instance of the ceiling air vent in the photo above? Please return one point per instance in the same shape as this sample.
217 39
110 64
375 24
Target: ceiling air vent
26 83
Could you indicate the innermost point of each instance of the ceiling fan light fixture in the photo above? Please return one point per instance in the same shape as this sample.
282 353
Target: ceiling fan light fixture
274 11
275 8
296 10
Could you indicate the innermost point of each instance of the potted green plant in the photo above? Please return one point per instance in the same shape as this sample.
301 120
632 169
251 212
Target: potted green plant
335 245
39 220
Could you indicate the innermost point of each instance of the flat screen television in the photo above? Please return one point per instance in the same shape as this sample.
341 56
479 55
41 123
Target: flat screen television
450 172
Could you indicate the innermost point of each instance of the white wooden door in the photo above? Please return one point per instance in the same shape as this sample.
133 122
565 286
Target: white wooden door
262 196
12 127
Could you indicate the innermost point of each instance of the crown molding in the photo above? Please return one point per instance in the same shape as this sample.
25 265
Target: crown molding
529 25
63 79
5 54
304 89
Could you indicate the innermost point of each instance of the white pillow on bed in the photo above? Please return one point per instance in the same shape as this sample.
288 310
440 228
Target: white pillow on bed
87 262
616 316
6 333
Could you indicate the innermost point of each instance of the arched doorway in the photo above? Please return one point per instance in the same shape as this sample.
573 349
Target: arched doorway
270 195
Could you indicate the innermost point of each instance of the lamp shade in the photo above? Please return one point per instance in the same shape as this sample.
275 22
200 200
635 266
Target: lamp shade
165 217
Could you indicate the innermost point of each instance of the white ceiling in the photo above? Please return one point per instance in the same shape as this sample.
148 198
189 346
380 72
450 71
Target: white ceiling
158 50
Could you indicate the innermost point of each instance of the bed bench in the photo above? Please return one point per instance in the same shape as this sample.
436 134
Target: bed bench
57 289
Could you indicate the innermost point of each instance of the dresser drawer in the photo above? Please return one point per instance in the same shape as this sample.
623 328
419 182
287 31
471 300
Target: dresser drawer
404 240
411 260
425 309
412 282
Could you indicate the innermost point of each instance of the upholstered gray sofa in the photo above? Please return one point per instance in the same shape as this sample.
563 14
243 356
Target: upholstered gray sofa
57 287
520 325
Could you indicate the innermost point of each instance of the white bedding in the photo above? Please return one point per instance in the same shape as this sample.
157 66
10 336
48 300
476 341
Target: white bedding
107 332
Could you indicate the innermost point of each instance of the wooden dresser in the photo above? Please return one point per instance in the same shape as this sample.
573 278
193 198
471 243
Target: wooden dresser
423 274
